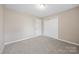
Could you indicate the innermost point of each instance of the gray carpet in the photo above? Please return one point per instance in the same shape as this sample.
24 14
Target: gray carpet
41 45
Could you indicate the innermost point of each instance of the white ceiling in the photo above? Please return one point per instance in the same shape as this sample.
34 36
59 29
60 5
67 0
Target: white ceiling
34 10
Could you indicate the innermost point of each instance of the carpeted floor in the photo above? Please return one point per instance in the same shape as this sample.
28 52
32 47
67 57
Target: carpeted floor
41 45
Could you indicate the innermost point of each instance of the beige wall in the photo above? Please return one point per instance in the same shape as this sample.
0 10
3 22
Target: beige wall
69 25
19 26
1 28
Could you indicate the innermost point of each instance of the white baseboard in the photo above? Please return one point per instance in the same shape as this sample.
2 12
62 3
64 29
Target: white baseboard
65 41
69 42
43 35
20 39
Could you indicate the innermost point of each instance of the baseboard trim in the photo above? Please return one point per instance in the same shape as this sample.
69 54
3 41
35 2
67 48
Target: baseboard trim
65 41
43 35
69 42
20 39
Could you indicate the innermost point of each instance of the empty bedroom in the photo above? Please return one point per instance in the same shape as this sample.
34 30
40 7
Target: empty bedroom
39 28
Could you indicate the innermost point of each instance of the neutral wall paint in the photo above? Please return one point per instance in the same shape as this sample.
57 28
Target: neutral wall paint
51 27
69 25
37 25
1 28
20 26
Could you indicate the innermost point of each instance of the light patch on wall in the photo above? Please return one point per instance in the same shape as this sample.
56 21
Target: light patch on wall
51 27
